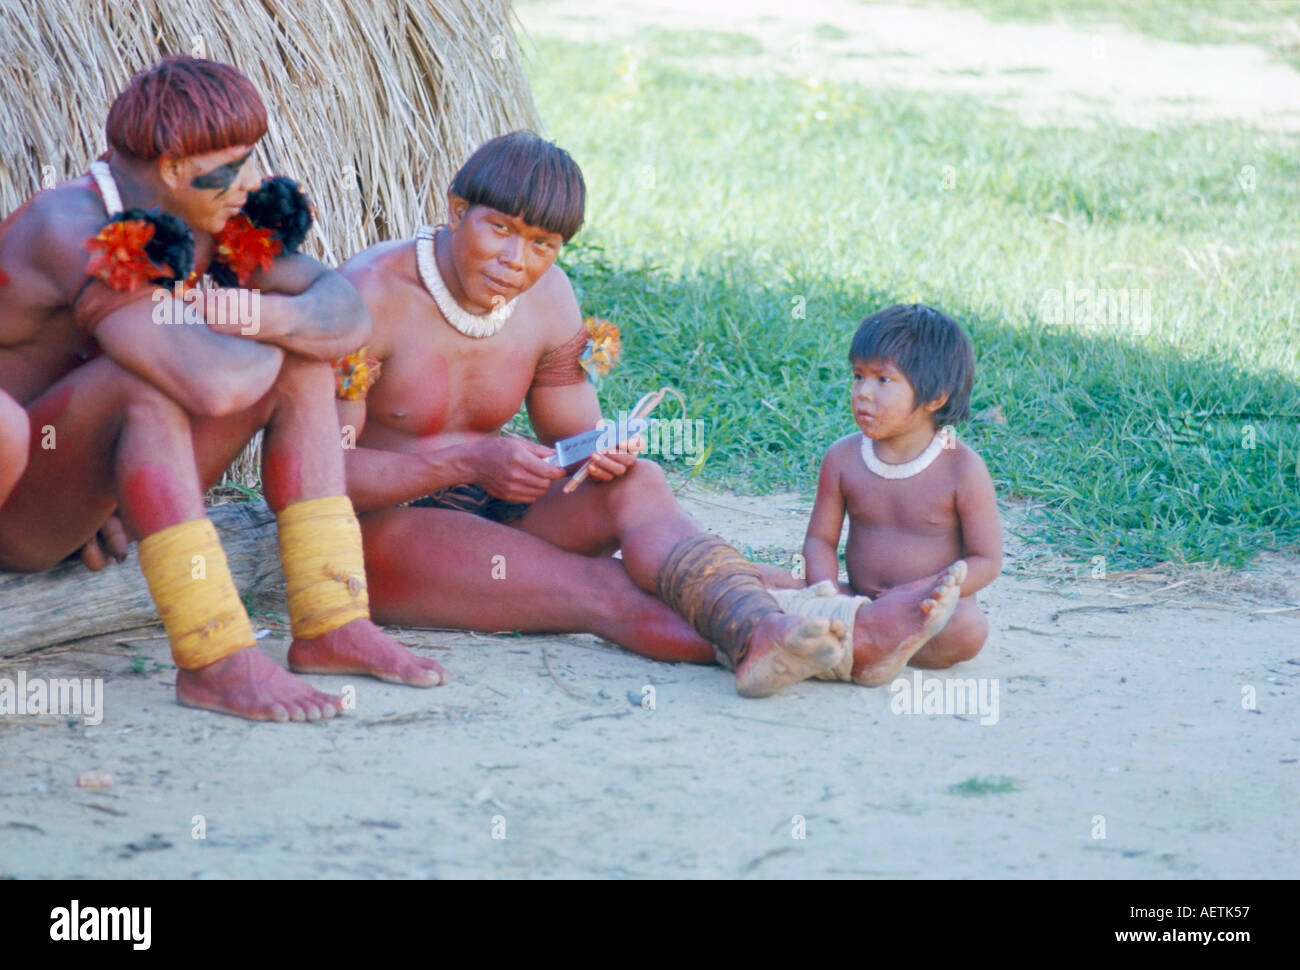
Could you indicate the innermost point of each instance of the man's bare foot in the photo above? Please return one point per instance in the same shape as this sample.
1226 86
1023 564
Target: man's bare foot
889 630
249 684
785 650
360 647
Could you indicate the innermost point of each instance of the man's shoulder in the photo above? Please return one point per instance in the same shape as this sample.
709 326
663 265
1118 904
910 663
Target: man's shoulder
50 232
71 210
552 285
553 301
383 275
380 262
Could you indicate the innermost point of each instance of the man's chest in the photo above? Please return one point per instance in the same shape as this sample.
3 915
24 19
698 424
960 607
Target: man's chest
427 387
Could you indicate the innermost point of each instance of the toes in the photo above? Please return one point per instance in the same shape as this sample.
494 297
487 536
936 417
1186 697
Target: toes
279 713
422 677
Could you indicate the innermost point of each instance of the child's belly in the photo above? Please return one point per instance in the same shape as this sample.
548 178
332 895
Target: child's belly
882 556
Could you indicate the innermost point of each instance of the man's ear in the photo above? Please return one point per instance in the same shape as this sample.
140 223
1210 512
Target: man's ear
456 209
172 172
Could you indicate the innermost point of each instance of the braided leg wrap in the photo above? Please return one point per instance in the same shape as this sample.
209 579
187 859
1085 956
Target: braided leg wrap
718 591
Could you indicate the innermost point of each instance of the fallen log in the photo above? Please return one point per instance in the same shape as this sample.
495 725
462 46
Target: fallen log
70 602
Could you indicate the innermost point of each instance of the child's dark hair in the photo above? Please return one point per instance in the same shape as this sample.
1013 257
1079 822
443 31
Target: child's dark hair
526 176
933 353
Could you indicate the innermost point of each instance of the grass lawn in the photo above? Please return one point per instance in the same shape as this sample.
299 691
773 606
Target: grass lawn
737 230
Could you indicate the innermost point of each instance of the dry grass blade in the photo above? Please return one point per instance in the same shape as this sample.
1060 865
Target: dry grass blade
372 107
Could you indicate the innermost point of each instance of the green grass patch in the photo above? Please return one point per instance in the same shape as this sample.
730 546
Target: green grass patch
141 667
984 786
738 228
829 32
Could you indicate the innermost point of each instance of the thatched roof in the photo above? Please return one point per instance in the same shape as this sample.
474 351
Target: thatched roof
373 106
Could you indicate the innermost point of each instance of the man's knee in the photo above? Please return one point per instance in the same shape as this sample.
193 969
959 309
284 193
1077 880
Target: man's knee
646 480
142 402
303 379
15 430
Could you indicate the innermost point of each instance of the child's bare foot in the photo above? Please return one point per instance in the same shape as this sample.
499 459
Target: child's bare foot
249 684
889 630
785 650
360 647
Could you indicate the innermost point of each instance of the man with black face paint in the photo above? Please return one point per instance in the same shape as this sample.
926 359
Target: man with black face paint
135 419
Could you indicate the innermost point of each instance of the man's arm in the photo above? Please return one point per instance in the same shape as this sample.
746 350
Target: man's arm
202 371
381 479
822 541
303 307
509 468
205 372
561 412
981 527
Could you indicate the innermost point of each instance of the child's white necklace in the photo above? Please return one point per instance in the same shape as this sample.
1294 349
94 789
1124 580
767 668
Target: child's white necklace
908 468
460 318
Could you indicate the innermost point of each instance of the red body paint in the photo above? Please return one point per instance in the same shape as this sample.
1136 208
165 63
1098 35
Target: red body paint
151 500
48 409
281 480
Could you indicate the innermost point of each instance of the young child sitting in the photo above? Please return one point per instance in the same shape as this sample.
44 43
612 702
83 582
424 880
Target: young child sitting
917 498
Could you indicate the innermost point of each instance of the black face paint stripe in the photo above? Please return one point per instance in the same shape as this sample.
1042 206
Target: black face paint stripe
220 178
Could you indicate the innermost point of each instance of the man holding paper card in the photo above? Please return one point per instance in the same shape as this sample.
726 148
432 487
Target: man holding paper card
466 528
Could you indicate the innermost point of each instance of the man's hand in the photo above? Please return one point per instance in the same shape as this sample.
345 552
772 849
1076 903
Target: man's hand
513 469
110 541
220 310
614 462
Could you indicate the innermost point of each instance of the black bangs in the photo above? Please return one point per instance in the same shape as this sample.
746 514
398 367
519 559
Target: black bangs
934 354
527 177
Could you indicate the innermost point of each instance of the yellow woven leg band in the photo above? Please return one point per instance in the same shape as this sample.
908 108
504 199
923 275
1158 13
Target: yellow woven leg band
190 582
320 550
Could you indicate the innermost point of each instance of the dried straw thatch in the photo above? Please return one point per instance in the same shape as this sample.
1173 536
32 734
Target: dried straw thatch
373 106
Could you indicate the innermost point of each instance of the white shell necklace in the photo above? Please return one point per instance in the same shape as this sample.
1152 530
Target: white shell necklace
908 468
103 177
460 318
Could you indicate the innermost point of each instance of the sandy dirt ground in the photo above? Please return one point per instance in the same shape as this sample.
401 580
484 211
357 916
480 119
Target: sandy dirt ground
1045 71
1120 714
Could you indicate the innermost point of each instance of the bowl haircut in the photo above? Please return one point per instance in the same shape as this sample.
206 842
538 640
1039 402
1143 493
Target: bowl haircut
933 353
527 177
185 106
